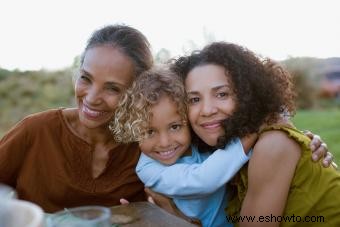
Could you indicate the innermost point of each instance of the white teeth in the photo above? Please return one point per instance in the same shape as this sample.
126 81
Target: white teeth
166 153
93 113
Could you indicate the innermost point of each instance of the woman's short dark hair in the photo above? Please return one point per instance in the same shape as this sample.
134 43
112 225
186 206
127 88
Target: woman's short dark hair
129 40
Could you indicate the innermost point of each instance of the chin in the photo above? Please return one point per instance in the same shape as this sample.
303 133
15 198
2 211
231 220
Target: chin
212 144
210 141
167 162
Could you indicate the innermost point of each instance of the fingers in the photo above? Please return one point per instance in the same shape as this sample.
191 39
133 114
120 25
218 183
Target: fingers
150 200
328 160
316 143
155 198
308 133
321 152
335 166
124 201
149 193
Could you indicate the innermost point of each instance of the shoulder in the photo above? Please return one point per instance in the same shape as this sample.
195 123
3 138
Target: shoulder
34 127
41 124
276 144
44 116
274 154
35 122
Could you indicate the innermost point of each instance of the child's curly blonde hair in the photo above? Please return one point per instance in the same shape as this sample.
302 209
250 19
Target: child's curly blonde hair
133 114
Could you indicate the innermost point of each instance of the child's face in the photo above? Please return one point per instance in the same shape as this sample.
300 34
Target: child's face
168 138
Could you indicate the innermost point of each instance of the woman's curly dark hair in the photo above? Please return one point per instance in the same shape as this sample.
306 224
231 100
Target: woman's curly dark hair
263 89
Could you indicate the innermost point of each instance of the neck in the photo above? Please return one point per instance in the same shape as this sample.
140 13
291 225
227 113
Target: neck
94 136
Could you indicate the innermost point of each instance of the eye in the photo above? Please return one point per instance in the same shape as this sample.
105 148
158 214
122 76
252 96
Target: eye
193 100
150 132
113 88
222 94
84 78
176 127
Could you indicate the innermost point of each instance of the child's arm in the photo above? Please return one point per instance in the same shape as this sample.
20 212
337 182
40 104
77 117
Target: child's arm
194 180
248 142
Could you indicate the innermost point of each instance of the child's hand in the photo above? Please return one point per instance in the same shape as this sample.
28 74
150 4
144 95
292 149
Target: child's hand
320 150
124 201
168 205
249 141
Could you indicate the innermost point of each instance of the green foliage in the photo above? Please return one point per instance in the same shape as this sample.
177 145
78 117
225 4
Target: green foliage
307 75
23 93
325 123
4 73
306 91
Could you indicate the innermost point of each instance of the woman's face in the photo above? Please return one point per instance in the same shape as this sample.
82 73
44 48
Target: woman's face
104 76
211 100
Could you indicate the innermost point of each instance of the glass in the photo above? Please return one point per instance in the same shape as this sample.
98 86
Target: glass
14 213
7 192
86 216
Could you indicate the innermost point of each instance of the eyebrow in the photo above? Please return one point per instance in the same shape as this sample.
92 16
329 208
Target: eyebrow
214 89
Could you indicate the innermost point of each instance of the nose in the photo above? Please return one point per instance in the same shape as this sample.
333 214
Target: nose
93 96
164 139
208 108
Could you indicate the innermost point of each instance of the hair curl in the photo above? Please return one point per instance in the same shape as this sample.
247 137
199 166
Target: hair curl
133 114
263 89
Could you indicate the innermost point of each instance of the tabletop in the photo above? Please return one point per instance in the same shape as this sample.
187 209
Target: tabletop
145 214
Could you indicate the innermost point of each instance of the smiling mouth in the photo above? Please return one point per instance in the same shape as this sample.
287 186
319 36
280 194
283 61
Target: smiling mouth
93 114
212 125
168 153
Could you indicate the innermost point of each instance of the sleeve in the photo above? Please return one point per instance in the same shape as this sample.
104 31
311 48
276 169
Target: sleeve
193 180
12 152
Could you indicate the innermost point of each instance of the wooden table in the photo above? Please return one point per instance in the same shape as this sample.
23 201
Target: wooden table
145 214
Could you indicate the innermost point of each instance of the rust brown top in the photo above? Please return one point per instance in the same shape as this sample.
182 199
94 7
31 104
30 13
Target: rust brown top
49 165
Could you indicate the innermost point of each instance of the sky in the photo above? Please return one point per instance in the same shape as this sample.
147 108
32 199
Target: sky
46 34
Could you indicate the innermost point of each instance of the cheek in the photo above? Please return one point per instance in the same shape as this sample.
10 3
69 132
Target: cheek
112 101
192 114
229 106
145 147
78 89
186 137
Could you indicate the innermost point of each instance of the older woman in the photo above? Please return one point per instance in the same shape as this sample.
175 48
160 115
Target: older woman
67 157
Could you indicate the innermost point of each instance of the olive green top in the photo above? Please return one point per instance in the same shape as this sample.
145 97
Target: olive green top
314 194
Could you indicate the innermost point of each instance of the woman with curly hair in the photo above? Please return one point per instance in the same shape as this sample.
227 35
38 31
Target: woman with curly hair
232 93
157 119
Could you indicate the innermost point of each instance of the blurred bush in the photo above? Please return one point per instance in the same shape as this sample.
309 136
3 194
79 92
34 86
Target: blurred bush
305 89
23 93
308 74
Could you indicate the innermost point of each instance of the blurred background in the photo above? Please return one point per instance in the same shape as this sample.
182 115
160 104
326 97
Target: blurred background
41 41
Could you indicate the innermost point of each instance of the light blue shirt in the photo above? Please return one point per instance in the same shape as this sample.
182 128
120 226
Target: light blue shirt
197 183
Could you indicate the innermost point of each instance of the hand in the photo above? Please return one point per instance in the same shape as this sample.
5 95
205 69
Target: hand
320 150
168 205
123 201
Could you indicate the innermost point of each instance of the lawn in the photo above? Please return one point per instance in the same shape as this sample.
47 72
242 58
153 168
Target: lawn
325 123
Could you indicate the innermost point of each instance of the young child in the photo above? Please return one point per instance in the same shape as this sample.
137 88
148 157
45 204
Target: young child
157 119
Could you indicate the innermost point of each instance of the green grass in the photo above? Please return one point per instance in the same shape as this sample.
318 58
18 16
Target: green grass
325 123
